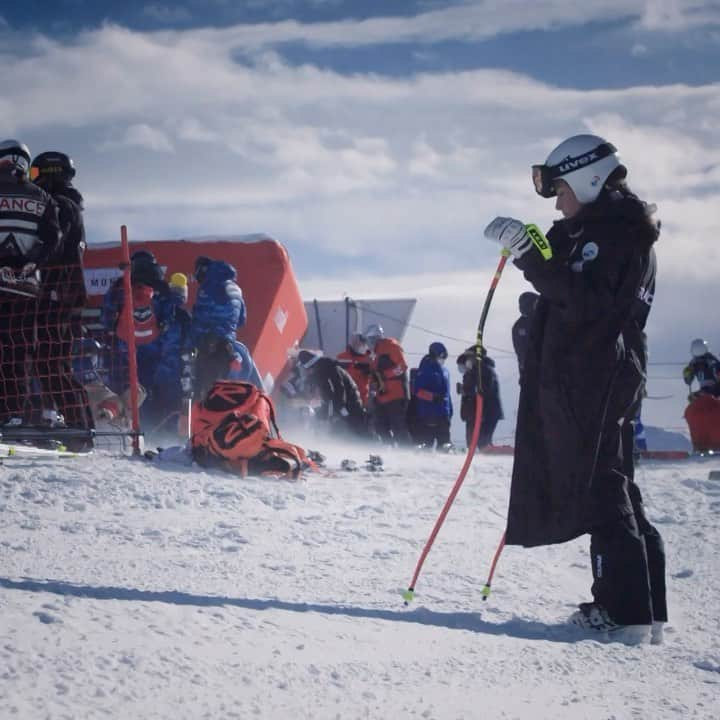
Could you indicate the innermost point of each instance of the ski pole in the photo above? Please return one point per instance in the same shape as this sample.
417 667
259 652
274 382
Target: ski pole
409 594
496 557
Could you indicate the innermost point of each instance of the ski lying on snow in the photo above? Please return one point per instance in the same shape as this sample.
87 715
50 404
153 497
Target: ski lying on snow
29 452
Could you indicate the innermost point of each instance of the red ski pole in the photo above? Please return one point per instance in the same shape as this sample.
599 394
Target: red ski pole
410 592
496 557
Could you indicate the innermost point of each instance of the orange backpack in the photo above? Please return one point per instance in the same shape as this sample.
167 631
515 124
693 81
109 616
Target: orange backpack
234 428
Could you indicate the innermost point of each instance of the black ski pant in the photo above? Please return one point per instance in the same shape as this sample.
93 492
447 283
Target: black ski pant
53 365
17 339
486 433
433 430
627 554
391 422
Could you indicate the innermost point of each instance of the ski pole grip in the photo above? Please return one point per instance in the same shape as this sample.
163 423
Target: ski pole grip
539 241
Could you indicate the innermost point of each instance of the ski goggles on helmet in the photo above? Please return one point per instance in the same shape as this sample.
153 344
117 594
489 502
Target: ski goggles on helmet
544 176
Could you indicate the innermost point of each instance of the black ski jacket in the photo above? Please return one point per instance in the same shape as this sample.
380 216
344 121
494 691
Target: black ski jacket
29 226
584 369
706 370
339 393
64 282
492 411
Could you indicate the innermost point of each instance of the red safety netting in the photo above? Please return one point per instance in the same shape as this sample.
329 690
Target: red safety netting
63 372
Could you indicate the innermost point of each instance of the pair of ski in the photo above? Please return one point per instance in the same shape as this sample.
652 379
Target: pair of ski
11 451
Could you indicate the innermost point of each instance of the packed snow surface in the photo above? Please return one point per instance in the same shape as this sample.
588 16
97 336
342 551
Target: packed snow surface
135 590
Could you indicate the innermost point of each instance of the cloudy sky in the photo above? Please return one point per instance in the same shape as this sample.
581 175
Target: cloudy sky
376 138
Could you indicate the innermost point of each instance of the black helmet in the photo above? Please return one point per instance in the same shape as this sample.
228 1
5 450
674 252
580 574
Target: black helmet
144 269
527 302
438 351
51 166
307 358
16 156
201 266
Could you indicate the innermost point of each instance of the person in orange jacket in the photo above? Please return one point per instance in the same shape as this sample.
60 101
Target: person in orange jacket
389 370
356 360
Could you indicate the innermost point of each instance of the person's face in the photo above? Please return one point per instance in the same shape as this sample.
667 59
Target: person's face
566 201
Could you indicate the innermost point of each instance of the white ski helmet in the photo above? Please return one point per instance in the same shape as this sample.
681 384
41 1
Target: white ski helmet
373 334
584 162
699 347
359 343
16 155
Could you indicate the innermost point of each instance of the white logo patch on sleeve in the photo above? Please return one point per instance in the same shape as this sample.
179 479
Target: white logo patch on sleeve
590 251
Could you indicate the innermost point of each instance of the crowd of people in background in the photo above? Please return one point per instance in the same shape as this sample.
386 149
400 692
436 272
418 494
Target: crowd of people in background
76 378
367 392
53 371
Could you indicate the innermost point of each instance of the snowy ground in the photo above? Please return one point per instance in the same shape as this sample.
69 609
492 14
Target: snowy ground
129 590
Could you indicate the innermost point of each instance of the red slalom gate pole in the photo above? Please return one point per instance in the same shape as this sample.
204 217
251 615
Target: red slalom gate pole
132 355
409 594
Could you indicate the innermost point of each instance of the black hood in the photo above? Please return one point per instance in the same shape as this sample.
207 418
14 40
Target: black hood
526 303
69 191
623 207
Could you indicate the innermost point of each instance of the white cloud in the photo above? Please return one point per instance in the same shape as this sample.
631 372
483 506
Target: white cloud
679 15
472 20
141 135
363 164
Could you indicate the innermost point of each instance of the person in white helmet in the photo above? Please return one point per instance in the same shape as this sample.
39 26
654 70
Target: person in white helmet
583 378
392 391
704 367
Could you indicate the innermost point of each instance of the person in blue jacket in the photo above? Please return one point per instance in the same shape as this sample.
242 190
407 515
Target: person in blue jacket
433 403
168 387
218 312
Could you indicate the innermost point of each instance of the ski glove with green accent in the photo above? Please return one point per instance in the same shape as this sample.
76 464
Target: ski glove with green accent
511 234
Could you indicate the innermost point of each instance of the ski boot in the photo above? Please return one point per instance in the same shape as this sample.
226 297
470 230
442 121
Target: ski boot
374 464
317 457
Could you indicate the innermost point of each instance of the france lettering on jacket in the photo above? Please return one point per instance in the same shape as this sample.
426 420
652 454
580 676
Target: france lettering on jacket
22 204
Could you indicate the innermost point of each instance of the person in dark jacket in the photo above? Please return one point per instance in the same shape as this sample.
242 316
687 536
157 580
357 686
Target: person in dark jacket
341 406
584 375
492 411
29 238
521 328
704 368
431 397
62 299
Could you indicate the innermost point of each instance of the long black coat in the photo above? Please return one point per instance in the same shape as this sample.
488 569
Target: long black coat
584 370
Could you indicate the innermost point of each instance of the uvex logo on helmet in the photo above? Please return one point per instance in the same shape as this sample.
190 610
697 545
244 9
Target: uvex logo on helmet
574 163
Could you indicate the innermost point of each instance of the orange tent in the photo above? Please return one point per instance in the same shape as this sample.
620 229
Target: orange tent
275 310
